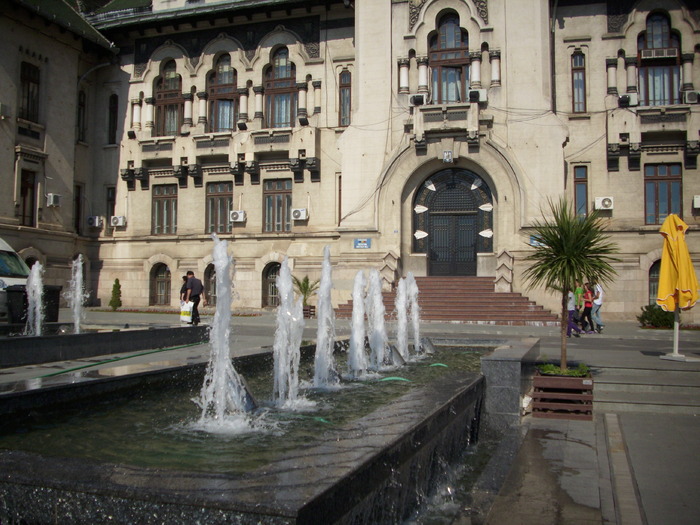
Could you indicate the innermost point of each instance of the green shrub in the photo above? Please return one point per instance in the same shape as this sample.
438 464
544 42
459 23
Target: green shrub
653 316
581 370
116 300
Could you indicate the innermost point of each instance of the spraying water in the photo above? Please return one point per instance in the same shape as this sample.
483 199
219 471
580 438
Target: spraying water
401 303
378 341
325 374
357 357
412 289
224 397
35 292
290 326
76 294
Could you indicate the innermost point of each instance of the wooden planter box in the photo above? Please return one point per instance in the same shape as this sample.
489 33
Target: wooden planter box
562 397
309 311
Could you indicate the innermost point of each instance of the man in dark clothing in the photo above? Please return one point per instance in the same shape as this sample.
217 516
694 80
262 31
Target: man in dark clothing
195 292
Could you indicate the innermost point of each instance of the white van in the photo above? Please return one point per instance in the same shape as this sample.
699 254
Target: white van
12 271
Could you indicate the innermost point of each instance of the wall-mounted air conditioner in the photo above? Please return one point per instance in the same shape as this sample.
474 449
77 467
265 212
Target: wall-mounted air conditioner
696 202
628 100
300 214
604 203
4 111
53 199
478 95
117 221
95 221
420 99
237 216
691 97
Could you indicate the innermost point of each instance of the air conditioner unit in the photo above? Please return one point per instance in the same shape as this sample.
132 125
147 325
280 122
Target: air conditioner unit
628 100
478 95
691 97
117 220
53 199
604 203
300 214
4 111
95 221
237 216
420 99
696 202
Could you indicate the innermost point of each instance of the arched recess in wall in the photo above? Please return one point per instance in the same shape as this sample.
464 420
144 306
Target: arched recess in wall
159 285
270 297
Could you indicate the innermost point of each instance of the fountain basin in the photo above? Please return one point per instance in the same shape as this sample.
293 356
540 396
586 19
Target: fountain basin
374 469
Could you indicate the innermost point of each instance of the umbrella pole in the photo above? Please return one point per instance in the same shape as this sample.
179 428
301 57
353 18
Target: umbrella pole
675 356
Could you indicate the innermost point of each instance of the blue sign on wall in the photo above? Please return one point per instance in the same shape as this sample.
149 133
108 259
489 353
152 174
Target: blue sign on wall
363 244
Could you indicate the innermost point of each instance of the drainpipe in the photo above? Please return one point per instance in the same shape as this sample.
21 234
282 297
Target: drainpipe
552 57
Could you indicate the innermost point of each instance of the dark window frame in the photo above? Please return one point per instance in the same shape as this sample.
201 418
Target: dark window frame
164 210
219 205
280 85
449 55
581 185
277 205
28 198
222 88
660 188
112 118
30 90
578 82
659 35
344 98
169 100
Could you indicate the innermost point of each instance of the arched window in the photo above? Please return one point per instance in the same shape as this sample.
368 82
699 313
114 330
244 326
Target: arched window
654 273
210 284
578 81
270 296
659 57
344 88
170 104
223 96
280 90
449 61
112 119
160 285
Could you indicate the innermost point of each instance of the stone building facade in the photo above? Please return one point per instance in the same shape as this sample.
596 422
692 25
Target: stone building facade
419 136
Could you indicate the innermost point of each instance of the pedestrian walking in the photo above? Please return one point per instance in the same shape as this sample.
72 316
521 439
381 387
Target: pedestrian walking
195 293
597 303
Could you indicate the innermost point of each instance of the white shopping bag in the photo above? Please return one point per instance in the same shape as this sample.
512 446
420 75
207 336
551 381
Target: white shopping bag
186 312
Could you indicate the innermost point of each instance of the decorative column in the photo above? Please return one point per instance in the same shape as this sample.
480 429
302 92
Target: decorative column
150 111
611 67
243 104
422 74
258 90
188 108
403 75
317 96
302 88
475 70
687 61
202 97
136 113
631 67
495 58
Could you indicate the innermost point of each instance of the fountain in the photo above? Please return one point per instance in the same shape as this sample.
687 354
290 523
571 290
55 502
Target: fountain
325 374
401 304
412 287
381 353
35 293
357 357
76 295
286 348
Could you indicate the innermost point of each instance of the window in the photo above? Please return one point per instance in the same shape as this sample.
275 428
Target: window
344 85
170 104
659 59
654 273
112 117
29 102
111 202
27 199
219 200
280 91
578 79
277 195
449 61
210 284
81 119
270 292
662 192
164 218
160 285
78 209
223 96
581 190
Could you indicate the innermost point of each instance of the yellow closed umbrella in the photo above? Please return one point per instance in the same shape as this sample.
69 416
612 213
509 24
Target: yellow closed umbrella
678 284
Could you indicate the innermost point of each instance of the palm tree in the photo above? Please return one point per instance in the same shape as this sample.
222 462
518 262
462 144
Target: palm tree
305 288
569 247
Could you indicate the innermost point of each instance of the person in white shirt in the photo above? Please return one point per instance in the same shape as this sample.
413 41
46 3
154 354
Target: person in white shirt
597 303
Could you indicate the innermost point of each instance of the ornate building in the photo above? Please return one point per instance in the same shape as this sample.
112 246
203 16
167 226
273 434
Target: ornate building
409 135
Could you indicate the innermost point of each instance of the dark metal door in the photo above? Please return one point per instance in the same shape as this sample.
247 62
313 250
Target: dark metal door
452 249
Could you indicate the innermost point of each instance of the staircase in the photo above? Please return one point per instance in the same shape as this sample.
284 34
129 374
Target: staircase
467 300
646 390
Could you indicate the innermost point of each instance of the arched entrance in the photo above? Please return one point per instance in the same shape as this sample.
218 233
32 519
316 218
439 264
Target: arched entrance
210 284
160 285
453 221
269 282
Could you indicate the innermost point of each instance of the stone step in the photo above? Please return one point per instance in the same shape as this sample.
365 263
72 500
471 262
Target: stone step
666 402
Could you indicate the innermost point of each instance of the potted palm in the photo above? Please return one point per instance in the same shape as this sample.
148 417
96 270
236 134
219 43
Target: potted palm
305 287
568 247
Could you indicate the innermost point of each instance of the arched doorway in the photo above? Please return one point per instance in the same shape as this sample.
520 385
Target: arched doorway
269 291
453 221
210 284
160 285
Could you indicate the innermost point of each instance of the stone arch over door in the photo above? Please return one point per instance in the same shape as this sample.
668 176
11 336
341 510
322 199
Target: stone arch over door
453 221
